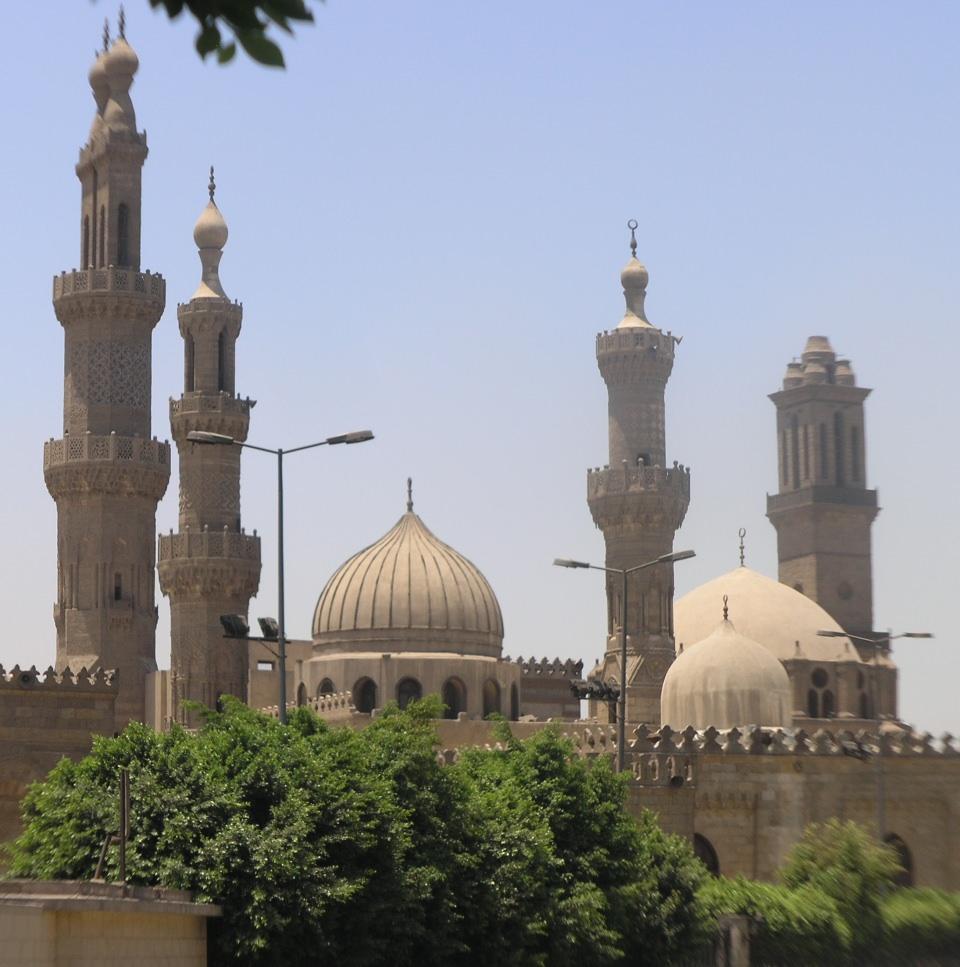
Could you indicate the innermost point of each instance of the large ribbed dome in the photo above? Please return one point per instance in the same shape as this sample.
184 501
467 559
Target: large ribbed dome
767 611
409 590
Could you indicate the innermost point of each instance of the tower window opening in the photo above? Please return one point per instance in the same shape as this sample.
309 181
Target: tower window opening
865 706
784 474
804 473
855 469
101 236
828 706
795 451
221 359
123 235
823 451
86 241
838 446
118 587
189 362
813 704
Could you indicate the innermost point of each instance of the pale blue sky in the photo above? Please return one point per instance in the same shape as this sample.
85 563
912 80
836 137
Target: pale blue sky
426 219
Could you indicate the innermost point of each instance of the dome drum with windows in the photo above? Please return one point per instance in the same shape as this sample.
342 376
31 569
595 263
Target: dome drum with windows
410 616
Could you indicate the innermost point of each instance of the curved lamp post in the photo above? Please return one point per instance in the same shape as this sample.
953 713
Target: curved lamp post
623 572
221 439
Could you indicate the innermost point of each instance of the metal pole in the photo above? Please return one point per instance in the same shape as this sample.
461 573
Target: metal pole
881 817
281 632
622 702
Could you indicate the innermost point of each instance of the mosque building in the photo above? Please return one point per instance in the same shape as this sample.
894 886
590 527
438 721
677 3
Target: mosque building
744 721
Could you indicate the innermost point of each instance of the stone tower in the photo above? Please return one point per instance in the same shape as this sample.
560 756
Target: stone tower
637 501
107 473
824 510
211 567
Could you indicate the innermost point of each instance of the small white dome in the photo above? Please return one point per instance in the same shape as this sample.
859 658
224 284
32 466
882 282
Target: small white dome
726 680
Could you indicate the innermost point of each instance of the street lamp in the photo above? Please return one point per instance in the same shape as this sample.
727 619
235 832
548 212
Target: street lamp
876 643
623 572
221 439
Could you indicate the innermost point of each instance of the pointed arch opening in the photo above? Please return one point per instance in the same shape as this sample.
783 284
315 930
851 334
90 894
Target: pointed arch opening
365 695
408 690
123 235
101 237
704 851
301 695
86 241
454 696
325 688
491 698
905 858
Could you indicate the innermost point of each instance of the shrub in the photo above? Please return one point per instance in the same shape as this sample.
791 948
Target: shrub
920 924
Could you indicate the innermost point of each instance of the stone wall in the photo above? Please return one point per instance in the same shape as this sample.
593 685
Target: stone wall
76 924
42 719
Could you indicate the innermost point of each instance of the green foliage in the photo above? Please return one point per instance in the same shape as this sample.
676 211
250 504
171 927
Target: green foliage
246 20
921 924
792 927
358 847
844 862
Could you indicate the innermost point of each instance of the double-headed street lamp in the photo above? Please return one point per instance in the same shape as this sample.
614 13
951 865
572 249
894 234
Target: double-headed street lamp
624 572
883 641
221 439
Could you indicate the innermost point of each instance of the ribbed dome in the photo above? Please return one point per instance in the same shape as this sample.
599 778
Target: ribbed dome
409 588
726 680
767 611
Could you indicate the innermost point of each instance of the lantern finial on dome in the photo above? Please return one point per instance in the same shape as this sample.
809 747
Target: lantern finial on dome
409 495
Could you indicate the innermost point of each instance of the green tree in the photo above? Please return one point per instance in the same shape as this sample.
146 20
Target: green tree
302 833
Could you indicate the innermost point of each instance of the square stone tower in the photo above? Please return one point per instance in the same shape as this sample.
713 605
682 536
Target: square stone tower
824 509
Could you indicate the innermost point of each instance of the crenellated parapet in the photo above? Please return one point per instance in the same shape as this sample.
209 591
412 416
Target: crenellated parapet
627 354
557 668
102 680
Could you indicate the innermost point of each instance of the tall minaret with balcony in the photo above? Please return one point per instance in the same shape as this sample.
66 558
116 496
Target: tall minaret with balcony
824 510
637 501
107 473
211 567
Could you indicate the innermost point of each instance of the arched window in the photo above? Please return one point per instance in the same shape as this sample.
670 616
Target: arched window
813 704
855 471
222 359
838 446
123 235
454 696
491 698
864 706
905 858
408 690
86 242
514 703
189 361
704 851
823 451
828 707
365 695
118 587
301 695
102 235
804 473
325 688
784 474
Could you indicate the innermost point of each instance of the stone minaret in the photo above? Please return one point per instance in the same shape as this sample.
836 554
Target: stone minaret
211 567
637 501
824 510
107 473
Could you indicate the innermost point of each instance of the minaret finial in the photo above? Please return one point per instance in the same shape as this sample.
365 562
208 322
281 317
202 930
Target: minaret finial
633 225
409 495
726 610
106 34
122 23
212 187
743 533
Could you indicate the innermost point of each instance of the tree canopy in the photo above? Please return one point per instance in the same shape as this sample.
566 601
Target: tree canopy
360 847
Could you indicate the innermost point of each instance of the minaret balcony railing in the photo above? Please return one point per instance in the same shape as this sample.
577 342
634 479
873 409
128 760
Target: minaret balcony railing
209 544
631 338
197 402
128 281
603 481
90 447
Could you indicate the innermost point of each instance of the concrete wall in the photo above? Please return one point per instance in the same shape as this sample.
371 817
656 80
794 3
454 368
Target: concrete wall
74 924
